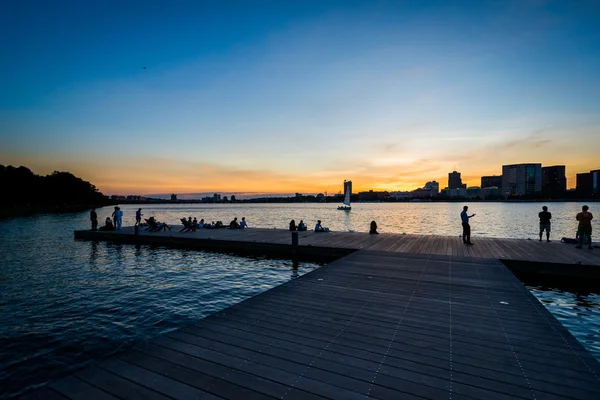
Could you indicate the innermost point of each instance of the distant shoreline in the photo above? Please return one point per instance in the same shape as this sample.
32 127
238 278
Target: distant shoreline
275 200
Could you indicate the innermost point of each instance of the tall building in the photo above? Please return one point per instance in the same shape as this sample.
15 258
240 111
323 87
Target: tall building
173 197
554 181
491 181
455 181
521 179
588 184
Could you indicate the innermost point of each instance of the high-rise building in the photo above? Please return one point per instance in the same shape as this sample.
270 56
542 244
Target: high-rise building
588 184
521 179
491 181
173 197
584 184
554 181
455 181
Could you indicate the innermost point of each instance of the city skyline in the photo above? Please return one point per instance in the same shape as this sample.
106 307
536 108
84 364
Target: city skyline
285 97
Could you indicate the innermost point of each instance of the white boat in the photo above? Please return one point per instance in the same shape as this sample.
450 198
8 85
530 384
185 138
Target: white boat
347 193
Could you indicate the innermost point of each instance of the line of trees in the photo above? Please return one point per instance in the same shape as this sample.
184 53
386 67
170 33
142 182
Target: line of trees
25 192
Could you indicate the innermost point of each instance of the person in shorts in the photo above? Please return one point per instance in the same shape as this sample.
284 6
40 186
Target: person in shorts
545 218
585 226
138 216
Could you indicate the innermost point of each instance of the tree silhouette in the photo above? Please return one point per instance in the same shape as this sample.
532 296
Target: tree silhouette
23 188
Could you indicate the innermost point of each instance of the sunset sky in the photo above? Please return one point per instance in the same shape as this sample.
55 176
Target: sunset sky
284 96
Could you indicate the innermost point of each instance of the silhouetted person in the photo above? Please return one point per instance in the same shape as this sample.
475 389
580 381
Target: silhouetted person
108 225
138 216
94 219
585 226
292 225
466 235
114 216
118 218
302 226
373 230
243 224
319 227
234 224
545 218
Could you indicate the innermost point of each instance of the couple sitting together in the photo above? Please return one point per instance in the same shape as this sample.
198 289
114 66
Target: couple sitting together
235 225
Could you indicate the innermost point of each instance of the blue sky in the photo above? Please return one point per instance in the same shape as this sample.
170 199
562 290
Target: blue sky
289 96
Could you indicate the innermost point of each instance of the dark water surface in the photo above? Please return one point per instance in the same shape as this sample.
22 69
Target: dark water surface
65 302
578 312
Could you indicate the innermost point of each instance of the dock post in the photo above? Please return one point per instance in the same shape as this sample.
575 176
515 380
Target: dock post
295 248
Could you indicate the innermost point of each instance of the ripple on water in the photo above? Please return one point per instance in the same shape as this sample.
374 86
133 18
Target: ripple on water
578 312
64 305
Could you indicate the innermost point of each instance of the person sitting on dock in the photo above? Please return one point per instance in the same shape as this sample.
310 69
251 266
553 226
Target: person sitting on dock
187 224
319 227
373 229
219 224
545 218
466 235
195 224
234 224
155 226
585 226
292 225
108 225
302 226
243 224
201 224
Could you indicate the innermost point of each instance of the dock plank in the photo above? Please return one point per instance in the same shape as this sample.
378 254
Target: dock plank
371 324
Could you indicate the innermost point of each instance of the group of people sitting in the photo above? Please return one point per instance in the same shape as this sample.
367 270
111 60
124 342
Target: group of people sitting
154 226
302 226
191 225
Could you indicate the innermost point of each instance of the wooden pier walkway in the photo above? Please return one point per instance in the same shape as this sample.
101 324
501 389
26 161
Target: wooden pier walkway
273 239
373 324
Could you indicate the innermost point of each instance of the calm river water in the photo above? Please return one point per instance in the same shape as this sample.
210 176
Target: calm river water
511 220
65 302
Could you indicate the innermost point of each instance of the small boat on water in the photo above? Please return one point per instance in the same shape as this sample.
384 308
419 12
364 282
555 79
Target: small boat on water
347 193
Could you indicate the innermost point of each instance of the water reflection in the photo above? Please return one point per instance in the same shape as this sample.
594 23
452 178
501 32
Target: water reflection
579 312
70 301
294 269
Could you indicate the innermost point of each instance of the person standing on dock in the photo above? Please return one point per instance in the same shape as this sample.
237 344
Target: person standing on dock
114 217
118 218
138 216
545 218
94 219
585 226
466 234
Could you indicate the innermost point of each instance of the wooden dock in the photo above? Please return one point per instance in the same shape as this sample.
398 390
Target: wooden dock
341 243
373 324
